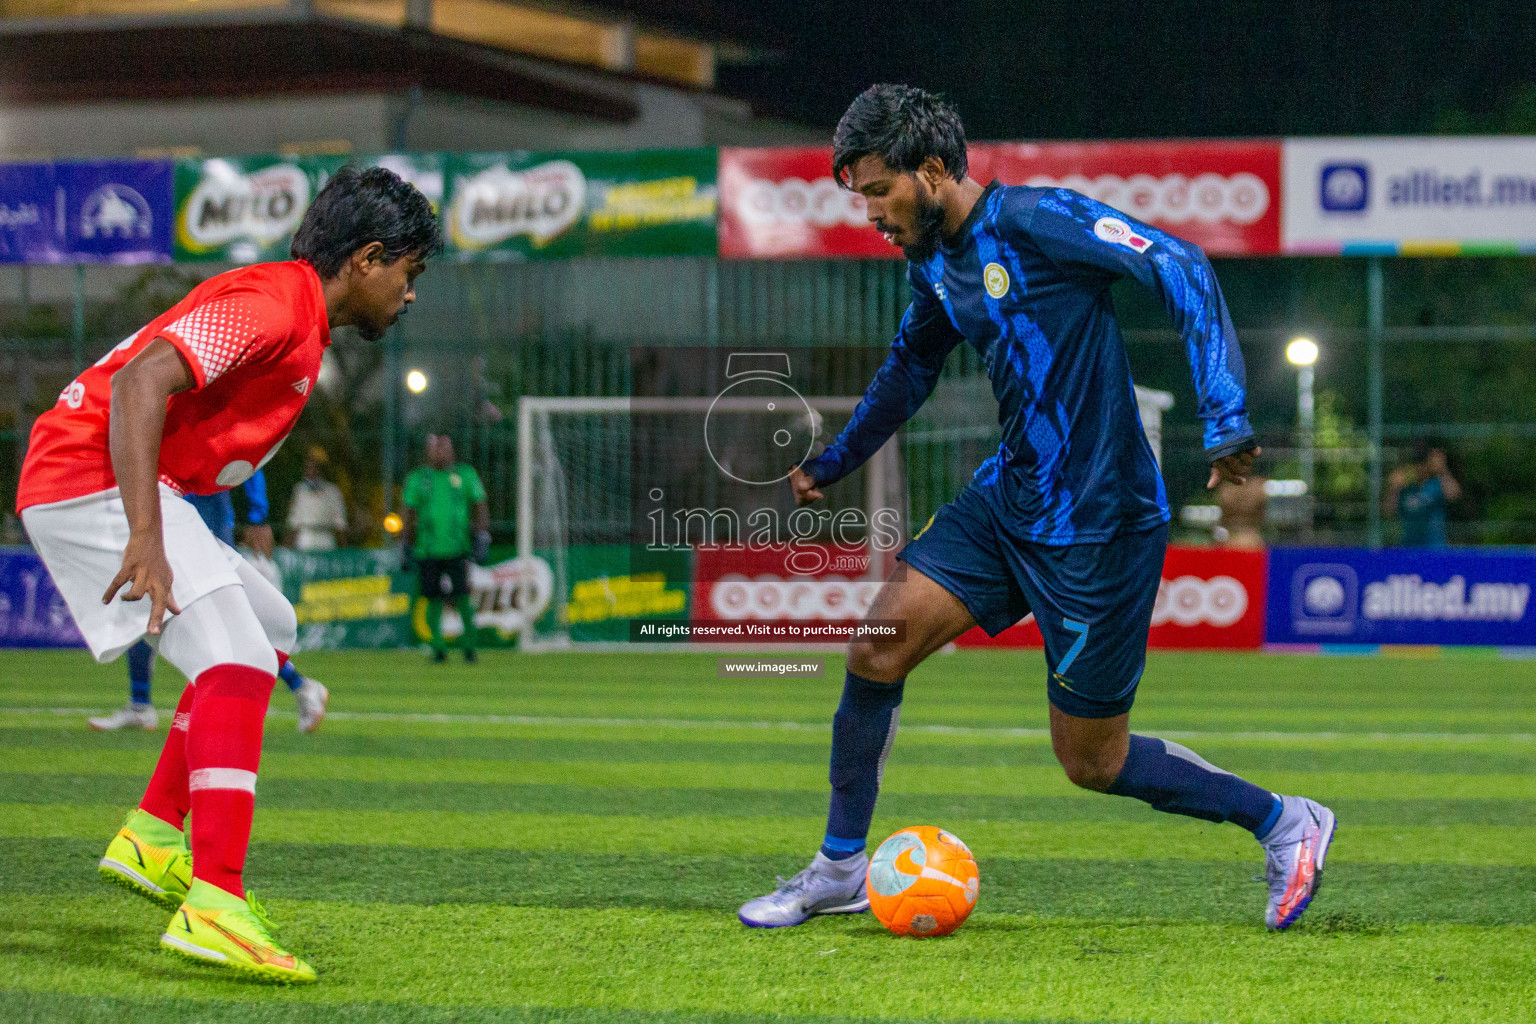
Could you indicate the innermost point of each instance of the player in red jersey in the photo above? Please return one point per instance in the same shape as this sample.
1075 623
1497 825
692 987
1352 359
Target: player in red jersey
195 403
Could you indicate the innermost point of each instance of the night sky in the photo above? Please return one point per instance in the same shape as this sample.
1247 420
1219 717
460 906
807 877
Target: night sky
1095 69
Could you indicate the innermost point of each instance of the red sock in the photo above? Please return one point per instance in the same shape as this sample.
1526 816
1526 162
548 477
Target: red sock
282 658
223 754
167 797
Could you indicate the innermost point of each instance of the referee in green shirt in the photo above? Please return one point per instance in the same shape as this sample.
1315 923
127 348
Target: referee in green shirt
440 500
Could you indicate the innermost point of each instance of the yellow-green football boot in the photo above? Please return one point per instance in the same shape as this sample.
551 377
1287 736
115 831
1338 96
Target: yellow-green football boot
216 927
149 857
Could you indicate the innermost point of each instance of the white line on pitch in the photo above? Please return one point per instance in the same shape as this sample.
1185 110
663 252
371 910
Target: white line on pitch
551 721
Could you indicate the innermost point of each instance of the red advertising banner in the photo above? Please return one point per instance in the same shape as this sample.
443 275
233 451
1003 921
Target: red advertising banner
814 583
778 203
1221 195
1209 597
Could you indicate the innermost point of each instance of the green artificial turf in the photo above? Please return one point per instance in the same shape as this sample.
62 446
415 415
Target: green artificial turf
566 837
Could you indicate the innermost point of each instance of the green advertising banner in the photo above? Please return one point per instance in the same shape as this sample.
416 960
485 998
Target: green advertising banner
359 597
516 206
606 588
354 597
505 593
246 209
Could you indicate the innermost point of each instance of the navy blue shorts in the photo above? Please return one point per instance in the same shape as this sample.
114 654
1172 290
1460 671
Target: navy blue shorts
1092 602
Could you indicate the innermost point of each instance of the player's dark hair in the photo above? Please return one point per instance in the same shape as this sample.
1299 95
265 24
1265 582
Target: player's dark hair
360 206
902 126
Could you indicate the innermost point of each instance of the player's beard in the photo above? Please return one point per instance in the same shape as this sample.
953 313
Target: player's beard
928 226
371 332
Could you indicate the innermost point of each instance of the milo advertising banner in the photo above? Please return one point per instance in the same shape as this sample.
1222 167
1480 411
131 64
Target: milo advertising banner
360 597
507 593
353 597
516 206
606 585
246 209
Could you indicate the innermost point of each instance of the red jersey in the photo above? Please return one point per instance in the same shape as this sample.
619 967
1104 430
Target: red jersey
253 338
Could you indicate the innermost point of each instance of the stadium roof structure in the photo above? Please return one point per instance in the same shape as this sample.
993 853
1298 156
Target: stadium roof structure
542 56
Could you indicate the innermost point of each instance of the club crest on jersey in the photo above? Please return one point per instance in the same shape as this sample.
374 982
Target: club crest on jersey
996 280
1117 232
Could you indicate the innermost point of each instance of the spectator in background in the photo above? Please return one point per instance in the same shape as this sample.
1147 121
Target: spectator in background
440 498
1419 492
318 512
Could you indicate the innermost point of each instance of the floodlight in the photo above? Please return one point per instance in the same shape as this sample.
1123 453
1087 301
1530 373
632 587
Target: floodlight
1301 352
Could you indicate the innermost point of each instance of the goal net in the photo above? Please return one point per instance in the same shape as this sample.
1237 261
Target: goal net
638 505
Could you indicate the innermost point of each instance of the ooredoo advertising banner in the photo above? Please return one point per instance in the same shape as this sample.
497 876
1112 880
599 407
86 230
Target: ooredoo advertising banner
1208 598
516 206
778 203
1410 196
1224 196
1400 596
763 585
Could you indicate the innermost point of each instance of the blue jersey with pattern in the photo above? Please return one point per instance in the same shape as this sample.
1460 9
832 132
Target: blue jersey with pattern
1027 282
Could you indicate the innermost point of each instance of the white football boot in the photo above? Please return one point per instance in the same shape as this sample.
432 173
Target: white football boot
141 716
1294 852
312 698
826 887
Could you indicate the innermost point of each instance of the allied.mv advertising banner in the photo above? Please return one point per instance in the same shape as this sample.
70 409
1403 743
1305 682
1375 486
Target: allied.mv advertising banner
1410 196
1409 596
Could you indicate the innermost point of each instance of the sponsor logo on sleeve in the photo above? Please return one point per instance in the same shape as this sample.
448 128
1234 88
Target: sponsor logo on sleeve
1117 232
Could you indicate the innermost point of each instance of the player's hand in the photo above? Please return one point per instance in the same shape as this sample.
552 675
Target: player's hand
259 537
482 546
1234 468
803 487
146 568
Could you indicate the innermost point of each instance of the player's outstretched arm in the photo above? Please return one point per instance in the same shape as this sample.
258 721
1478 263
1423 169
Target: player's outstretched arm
135 428
901 386
1083 234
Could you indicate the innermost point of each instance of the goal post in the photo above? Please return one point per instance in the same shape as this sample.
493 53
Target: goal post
580 503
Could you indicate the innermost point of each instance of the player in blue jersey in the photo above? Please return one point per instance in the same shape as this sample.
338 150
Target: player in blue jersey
218 512
1069 520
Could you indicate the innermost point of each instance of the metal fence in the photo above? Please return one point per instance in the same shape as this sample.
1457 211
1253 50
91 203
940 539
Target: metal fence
486 334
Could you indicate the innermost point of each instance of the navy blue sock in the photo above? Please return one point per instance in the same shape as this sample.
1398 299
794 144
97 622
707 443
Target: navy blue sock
141 667
290 675
1175 779
862 733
